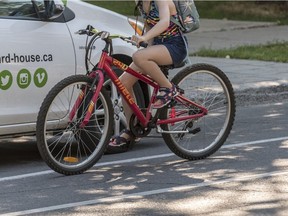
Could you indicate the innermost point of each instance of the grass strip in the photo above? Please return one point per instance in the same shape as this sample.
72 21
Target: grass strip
276 52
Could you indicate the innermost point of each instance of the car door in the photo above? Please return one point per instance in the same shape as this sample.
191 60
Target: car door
36 52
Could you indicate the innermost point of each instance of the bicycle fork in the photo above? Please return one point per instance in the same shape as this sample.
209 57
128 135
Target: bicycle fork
99 79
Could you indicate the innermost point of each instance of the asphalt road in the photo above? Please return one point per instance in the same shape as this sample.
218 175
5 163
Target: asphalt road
247 176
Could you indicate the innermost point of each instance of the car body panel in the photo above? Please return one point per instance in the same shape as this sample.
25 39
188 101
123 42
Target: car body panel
38 49
37 53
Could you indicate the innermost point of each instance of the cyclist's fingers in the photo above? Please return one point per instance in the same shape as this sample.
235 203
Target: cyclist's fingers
137 39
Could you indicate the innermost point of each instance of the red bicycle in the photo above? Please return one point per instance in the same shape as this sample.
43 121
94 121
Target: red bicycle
75 121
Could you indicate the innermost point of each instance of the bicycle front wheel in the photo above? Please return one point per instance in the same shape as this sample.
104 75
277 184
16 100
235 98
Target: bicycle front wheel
65 145
209 87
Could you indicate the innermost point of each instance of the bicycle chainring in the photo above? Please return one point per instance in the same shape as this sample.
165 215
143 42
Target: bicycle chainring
136 128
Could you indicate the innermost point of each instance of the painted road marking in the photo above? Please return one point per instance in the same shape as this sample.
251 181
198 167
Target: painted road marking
140 195
133 160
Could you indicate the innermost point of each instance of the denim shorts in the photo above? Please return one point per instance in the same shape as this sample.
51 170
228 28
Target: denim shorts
176 47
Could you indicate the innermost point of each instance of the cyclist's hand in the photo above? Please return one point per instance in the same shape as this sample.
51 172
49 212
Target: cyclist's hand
138 39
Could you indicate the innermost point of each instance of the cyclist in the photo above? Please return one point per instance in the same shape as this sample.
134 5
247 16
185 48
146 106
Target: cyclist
166 46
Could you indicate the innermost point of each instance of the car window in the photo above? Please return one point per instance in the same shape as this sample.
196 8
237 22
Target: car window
19 8
31 9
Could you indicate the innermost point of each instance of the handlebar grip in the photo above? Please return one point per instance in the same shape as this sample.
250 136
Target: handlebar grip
87 31
81 32
143 44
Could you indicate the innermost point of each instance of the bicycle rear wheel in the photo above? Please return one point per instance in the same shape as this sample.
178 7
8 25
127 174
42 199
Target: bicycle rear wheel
64 145
209 87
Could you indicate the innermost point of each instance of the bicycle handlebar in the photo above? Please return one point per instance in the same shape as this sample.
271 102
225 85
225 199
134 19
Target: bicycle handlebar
90 30
128 40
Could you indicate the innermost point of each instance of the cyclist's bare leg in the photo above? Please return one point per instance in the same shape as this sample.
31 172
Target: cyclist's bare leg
128 81
148 60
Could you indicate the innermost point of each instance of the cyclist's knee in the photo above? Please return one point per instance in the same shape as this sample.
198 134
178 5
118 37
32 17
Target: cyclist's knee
138 58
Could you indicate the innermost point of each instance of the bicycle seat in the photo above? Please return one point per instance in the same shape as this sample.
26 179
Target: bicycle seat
165 68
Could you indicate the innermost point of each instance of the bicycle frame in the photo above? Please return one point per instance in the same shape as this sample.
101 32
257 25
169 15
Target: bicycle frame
75 120
104 66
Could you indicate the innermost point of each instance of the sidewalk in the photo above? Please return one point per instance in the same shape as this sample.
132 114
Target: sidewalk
247 74
258 76
219 34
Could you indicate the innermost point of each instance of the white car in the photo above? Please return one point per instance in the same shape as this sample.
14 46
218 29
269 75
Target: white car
39 48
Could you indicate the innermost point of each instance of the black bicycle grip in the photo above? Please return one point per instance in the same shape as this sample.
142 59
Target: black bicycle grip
81 32
143 44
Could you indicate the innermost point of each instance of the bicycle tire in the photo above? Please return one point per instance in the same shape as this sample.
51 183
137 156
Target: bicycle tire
208 86
66 147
